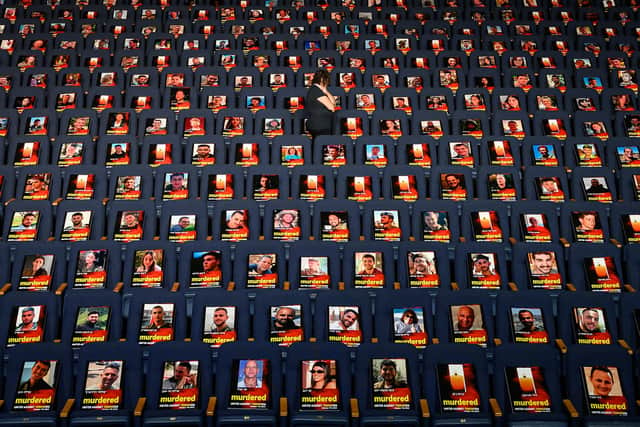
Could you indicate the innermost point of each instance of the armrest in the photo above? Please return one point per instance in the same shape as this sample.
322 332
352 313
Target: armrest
175 287
5 288
454 286
571 287
495 407
568 405
512 240
1 403
565 242
497 341
231 286
616 243
513 286
118 287
627 287
284 407
626 346
355 410
137 411
64 413
286 285
435 340
61 288
396 285
561 345
211 406
424 409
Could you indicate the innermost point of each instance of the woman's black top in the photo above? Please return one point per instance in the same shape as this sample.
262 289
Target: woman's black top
320 118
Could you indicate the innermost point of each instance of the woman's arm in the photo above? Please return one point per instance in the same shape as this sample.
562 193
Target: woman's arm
328 101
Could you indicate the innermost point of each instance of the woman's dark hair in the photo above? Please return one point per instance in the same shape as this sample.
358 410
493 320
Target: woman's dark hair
321 77
325 366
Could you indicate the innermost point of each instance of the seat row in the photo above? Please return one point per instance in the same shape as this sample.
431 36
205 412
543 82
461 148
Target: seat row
249 383
77 153
468 317
547 267
314 183
353 123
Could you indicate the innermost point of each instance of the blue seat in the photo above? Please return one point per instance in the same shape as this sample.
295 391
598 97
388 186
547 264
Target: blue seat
25 329
412 153
622 219
500 183
514 313
36 268
184 397
281 317
175 183
593 185
545 184
150 264
236 220
287 220
78 220
458 152
24 221
368 266
588 320
481 265
267 183
195 123
392 373
157 150
84 182
38 183
291 151
376 151
183 221
231 369
337 222
94 265
484 221
223 183
56 383
408 320
442 226
300 382
433 123
205 151
153 315
248 151
156 122
259 265
314 266
584 222
530 389
451 183
28 151
582 371
131 220
204 265
578 153
596 268
452 376
539 266
219 317
385 220
81 308
333 151
133 184
122 359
